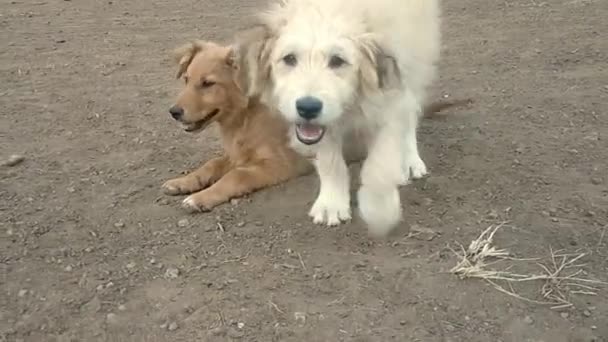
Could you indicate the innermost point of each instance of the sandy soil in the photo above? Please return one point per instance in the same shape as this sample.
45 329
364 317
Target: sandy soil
90 250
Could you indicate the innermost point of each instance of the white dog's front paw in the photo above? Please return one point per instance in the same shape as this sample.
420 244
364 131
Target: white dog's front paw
380 209
413 167
330 211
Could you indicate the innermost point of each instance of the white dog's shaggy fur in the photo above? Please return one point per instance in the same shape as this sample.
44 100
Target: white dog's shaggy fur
368 62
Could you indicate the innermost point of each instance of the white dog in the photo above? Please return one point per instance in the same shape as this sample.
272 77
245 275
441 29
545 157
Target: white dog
336 66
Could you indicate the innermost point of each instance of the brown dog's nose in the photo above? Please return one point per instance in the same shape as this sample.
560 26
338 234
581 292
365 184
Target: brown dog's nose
176 112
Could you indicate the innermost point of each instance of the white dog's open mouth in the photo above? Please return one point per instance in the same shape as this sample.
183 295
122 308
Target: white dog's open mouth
309 134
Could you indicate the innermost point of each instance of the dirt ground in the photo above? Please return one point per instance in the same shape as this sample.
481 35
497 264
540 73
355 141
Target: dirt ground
90 250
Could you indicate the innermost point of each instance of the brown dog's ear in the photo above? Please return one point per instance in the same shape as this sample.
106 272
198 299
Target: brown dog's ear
184 54
251 54
378 70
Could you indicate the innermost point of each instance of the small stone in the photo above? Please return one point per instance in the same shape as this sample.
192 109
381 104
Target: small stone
593 327
119 224
152 261
173 326
13 160
590 213
172 273
300 317
183 223
240 224
554 219
235 201
240 325
528 320
564 315
552 212
259 223
587 313
22 293
219 331
122 308
164 325
68 268
131 265
111 318
596 180
235 334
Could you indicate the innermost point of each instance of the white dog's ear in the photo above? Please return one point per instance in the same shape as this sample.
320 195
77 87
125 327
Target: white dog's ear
184 54
378 70
252 57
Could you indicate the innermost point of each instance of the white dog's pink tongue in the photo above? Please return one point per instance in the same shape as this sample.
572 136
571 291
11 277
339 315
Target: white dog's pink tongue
309 133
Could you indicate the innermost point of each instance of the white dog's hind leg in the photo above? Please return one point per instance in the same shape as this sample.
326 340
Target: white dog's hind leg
378 197
413 166
333 203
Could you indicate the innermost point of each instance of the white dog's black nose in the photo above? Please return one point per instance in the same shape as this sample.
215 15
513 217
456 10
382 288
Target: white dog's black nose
309 107
176 112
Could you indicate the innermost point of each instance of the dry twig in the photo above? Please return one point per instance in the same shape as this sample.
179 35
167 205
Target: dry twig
557 287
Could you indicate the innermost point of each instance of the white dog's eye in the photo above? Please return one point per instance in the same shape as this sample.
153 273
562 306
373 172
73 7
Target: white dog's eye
336 62
290 59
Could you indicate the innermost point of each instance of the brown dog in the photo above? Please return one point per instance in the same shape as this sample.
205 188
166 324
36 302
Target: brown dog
255 139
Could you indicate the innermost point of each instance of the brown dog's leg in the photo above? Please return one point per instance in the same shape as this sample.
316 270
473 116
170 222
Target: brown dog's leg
237 182
199 179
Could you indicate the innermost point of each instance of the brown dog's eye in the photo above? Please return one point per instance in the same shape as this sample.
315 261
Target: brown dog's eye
290 60
336 62
207 84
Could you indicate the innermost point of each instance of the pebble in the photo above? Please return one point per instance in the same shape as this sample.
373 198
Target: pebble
240 224
119 224
131 265
300 317
587 313
596 180
235 334
122 308
219 331
111 318
173 326
22 293
13 160
528 320
565 315
172 273
68 268
240 325
183 223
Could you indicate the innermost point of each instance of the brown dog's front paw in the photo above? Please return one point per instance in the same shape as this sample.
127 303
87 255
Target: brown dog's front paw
181 186
198 203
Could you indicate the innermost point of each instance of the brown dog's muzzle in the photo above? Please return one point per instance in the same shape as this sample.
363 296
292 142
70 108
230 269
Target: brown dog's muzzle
176 112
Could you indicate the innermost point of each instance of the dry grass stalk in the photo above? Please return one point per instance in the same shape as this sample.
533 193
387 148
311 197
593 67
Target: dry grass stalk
557 287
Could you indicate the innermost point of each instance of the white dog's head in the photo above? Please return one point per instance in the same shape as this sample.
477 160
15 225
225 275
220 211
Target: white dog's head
312 65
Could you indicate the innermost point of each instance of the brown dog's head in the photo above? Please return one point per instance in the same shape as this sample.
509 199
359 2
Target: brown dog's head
210 92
